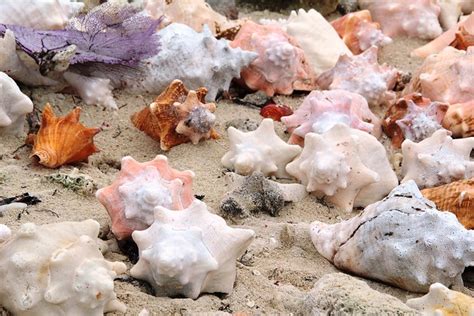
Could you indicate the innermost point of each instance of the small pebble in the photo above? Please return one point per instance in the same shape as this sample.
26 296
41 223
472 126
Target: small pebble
250 304
256 272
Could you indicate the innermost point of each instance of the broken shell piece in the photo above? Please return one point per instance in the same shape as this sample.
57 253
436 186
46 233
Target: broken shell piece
63 140
362 74
275 111
93 91
178 116
75 181
443 302
359 32
456 197
321 110
460 119
14 105
140 187
348 166
261 150
255 194
189 252
57 269
402 240
437 160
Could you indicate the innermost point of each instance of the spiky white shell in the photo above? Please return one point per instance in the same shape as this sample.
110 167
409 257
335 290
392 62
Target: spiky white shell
347 165
189 252
402 240
57 269
93 91
14 105
437 160
260 150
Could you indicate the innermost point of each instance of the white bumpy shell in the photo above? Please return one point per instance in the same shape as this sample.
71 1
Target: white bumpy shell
402 240
189 252
57 269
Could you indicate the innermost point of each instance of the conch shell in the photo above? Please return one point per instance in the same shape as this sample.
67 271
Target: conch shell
460 119
178 116
456 197
63 140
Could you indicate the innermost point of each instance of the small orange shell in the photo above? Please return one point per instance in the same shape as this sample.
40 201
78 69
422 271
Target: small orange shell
463 39
456 197
460 119
63 140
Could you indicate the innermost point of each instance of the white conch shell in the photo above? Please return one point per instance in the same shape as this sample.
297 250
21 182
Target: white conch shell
441 301
14 105
451 10
260 150
349 166
197 59
402 240
437 160
57 269
93 91
39 14
189 252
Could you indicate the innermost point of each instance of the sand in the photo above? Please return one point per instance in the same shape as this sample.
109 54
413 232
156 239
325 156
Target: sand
280 265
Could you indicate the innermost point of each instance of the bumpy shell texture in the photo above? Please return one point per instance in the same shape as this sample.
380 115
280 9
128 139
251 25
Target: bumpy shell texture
140 187
402 240
460 119
189 252
63 140
93 91
57 269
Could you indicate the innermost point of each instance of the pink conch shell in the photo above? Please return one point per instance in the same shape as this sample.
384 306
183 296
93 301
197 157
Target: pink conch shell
359 32
139 188
460 119
363 75
321 110
445 39
348 166
415 18
446 77
281 66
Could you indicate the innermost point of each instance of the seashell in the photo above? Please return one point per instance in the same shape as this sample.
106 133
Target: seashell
321 110
320 42
275 111
93 91
437 160
63 140
178 116
189 252
193 13
14 105
256 194
5 233
442 301
261 150
451 10
39 14
402 240
413 117
197 59
456 197
348 166
281 66
460 119
445 77
414 18
140 187
362 74
359 32
459 36
57 269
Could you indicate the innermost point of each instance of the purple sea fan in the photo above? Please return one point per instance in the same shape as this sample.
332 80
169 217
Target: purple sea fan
110 33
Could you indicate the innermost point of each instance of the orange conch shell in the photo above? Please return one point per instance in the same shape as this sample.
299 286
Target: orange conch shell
460 119
63 140
178 116
456 197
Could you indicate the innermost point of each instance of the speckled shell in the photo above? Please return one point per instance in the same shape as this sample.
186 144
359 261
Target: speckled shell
415 18
281 66
456 197
362 74
178 116
321 110
140 187
63 140
403 240
460 119
358 31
